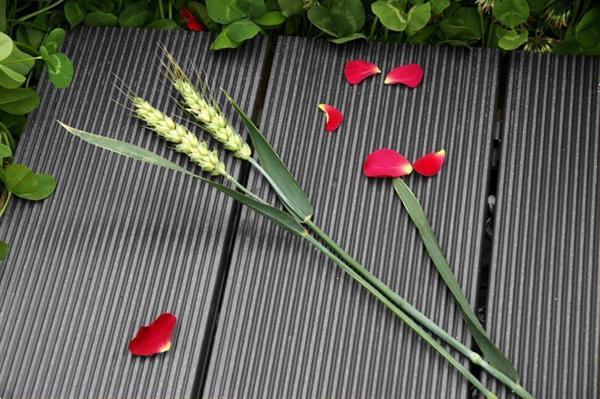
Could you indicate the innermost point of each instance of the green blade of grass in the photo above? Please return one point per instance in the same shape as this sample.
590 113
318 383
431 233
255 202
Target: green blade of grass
490 352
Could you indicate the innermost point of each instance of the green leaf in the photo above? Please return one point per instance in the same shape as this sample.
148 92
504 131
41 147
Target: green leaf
587 31
464 25
511 39
417 215
418 17
74 13
270 19
511 13
54 40
342 17
349 38
9 78
132 151
136 15
24 183
6 46
18 61
223 41
100 18
280 178
199 11
60 70
164 24
391 14
224 11
242 30
438 6
18 101
4 250
291 7
253 8
5 151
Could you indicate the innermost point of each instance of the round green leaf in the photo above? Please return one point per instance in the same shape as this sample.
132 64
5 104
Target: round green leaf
270 19
224 11
18 101
135 16
54 40
9 78
223 41
242 30
4 250
391 14
253 8
511 39
291 7
6 46
24 183
587 31
418 17
511 13
74 13
18 61
99 18
5 151
60 70
322 18
464 25
164 24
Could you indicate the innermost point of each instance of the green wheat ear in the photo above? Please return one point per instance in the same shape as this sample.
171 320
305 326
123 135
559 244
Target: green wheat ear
185 141
204 109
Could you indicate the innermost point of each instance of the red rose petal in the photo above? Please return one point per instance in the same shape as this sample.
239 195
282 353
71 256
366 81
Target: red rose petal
409 75
386 163
333 117
356 71
186 15
195 26
430 164
154 338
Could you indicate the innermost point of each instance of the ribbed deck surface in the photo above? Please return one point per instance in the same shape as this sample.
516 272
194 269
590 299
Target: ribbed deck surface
543 302
293 325
119 242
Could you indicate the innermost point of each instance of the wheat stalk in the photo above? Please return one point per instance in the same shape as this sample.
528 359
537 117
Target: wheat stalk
185 141
205 110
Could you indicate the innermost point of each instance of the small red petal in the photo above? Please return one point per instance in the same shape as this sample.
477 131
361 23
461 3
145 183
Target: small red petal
195 26
154 338
409 75
333 117
386 163
186 15
356 71
430 164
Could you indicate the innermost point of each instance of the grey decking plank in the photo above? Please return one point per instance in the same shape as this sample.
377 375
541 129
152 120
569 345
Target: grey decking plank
543 300
119 242
327 337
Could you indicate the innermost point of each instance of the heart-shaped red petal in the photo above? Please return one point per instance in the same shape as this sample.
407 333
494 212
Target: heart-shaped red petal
154 338
195 26
430 164
386 163
333 117
409 75
357 70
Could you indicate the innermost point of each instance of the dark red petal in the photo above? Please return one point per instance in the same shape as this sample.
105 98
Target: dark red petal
386 163
154 338
430 164
186 15
356 71
333 117
409 75
195 26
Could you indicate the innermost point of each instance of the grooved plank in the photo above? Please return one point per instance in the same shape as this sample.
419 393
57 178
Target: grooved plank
543 300
119 242
293 325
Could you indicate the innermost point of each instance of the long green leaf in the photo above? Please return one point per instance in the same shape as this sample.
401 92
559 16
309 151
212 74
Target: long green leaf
417 214
138 153
279 176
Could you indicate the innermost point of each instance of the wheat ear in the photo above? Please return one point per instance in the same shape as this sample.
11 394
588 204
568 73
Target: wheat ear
204 109
185 141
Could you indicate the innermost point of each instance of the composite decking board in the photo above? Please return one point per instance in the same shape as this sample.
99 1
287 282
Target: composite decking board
543 299
119 242
292 324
